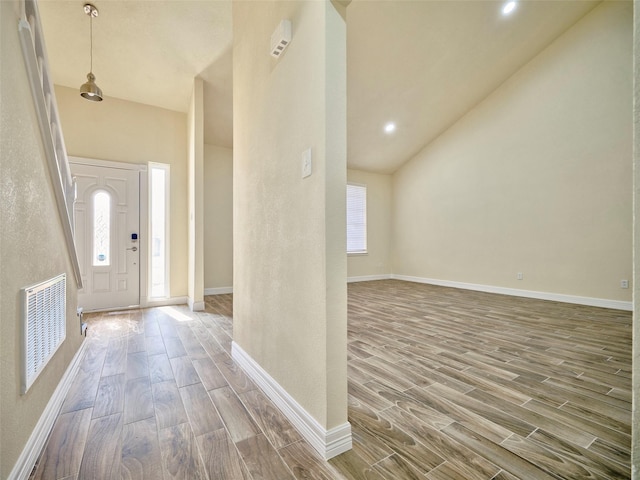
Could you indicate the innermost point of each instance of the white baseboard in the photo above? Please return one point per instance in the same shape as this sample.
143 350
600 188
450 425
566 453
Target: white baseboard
162 302
195 306
368 278
31 451
218 290
556 297
328 443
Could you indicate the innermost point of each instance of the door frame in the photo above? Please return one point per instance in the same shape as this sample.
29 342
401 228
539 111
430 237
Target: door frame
144 215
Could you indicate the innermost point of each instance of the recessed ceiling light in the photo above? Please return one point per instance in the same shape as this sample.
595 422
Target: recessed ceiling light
509 7
390 127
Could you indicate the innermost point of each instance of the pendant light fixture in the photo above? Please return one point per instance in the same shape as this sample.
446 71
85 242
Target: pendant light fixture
90 90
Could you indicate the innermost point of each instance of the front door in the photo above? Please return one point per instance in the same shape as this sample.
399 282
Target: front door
107 222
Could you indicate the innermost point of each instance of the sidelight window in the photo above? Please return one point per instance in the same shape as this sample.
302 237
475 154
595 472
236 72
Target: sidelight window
159 227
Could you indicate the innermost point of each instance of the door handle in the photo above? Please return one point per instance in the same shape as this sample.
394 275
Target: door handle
135 249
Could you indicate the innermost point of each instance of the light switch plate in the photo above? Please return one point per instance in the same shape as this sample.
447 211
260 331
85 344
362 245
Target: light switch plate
306 163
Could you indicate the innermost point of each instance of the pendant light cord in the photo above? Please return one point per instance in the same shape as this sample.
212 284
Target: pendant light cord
89 90
91 41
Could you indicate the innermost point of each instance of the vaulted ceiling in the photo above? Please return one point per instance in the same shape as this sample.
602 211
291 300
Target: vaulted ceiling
421 64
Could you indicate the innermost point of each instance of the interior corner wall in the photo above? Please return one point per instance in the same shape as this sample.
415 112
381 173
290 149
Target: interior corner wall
535 179
376 262
195 132
289 232
635 390
32 247
124 131
218 217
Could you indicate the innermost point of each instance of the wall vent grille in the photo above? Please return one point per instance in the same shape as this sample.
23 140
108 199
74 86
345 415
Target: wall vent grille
44 324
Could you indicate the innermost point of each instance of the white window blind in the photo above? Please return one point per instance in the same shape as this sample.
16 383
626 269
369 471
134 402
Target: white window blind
356 219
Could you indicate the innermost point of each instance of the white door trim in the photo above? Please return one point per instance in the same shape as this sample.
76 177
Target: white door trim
144 214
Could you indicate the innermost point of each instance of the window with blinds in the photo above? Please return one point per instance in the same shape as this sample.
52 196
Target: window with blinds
356 219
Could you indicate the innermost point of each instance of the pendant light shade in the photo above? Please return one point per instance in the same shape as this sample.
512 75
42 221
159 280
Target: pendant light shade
89 89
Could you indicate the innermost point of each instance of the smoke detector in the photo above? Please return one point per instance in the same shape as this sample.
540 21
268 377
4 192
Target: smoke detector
280 38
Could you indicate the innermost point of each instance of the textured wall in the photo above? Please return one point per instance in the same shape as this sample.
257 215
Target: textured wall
635 420
289 232
376 261
32 247
218 217
535 179
130 132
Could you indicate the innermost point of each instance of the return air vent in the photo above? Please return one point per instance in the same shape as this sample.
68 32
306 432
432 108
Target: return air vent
44 325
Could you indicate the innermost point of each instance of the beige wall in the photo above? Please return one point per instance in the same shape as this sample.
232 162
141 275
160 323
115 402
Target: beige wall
535 179
218 220
376 261
218 217
289 232
32 247
635 420
130 132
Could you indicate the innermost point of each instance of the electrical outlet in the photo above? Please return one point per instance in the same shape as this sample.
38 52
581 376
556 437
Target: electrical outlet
519 276
624 283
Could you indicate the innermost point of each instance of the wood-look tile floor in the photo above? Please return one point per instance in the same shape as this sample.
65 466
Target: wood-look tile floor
443 384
